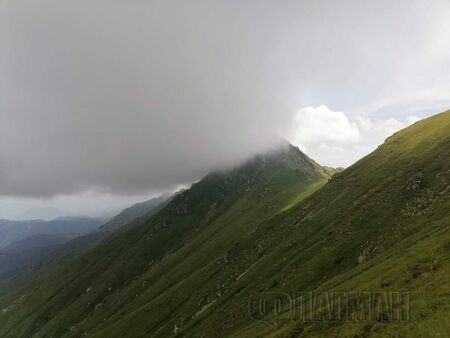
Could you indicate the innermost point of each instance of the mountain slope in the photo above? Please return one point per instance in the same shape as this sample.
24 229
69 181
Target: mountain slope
38 241
146 208
193 268
23 244
32 250
28 252
382 224
195 229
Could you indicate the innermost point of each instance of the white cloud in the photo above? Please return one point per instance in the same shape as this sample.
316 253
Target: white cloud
319 126
333 138
412 119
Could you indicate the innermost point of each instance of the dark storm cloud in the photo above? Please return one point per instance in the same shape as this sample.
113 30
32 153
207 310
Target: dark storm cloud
130 96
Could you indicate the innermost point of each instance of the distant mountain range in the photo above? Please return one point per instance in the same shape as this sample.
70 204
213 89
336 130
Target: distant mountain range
268 230
11 231
24 244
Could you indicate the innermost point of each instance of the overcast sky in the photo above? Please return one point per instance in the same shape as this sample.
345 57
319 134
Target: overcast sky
103 103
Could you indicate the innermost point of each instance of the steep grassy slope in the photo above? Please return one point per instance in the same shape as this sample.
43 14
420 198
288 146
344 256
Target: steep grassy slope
383 224
147 208
191 270
167 264
29 251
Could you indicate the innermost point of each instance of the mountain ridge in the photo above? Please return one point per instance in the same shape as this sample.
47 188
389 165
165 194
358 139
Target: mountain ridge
217 199
191 269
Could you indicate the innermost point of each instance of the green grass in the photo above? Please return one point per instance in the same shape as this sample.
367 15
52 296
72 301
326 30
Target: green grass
191 269
303 193
175 248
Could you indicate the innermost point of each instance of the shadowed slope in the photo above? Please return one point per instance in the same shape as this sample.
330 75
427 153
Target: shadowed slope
192 268
170 253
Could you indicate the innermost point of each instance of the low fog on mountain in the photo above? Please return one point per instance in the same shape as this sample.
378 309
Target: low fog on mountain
222 168
136 97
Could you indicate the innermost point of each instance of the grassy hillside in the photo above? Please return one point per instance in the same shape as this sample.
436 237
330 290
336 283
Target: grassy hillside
194 268
381 225
168 261
147 208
